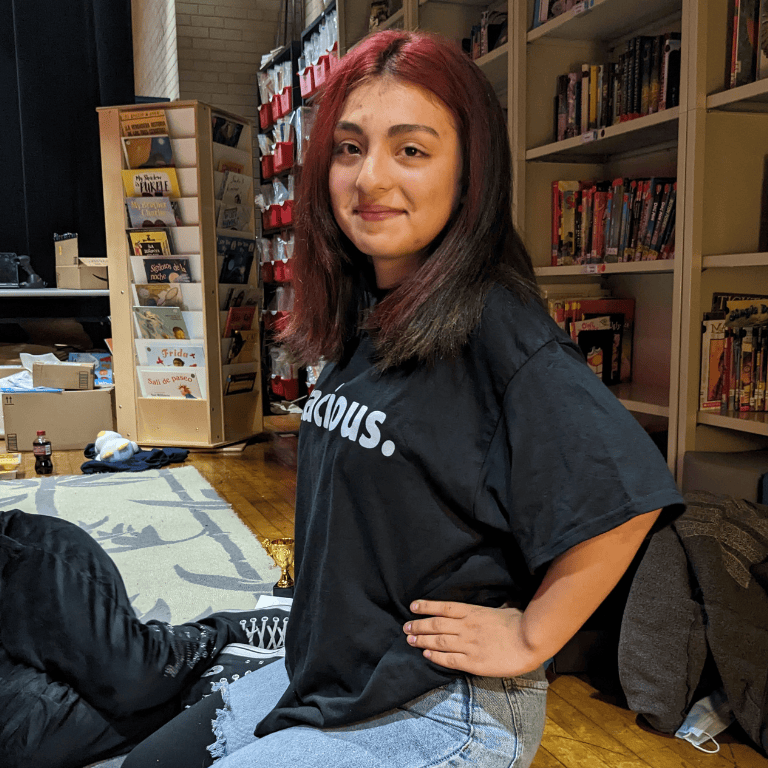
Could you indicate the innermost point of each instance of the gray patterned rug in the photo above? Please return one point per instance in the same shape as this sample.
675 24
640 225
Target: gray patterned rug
181 550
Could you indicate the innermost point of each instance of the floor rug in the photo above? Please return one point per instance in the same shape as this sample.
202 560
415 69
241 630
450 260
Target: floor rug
181 549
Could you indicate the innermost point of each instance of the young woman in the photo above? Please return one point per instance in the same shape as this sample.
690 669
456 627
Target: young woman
468 490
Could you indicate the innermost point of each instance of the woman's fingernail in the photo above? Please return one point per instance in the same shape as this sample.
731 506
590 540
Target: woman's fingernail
407 627
414 606
427 654
411 639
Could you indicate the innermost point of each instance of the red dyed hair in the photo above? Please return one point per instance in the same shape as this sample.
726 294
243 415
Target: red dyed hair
433 311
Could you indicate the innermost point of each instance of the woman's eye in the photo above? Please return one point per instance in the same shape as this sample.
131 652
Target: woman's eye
413 152
345 148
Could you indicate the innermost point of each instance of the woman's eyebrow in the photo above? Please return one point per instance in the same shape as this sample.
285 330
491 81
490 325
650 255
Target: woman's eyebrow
393 130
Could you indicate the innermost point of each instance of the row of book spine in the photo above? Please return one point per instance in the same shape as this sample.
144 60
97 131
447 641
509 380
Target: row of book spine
734 368
645 80
747 42
619 221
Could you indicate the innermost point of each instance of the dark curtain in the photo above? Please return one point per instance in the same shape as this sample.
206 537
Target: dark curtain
59 60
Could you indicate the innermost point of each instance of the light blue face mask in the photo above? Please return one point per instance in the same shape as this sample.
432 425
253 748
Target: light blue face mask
708 717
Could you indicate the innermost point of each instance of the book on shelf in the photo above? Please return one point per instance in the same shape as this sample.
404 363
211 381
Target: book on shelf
567 310
762 41
620 221
233 216
156 182
595 338
236 188
744 42
236 254
149 242
103 375
144 212
160 323
173 269
159 295
644 80
170 382
176 353
734 354
243 347
148 151
239 383
239 319
230 166
242 296
145 122
225 131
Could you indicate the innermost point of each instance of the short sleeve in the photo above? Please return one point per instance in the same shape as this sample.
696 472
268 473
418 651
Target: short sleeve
567 461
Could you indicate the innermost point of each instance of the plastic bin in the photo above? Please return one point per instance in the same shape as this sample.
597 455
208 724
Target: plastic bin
307 82
283 156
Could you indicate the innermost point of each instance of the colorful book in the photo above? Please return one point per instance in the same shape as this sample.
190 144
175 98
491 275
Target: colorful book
160 323
595 339
176 353
173 269
237 258
744 42
238 319
230 166
225 131
242 296
148 152
157 182
159 295
713 364
149 242
146 212
170 382
145 122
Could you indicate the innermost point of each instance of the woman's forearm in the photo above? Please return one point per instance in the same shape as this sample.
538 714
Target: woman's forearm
577 582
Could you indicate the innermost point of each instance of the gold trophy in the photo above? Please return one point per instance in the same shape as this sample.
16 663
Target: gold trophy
281 551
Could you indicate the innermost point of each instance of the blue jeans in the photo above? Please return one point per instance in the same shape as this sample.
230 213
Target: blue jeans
472 721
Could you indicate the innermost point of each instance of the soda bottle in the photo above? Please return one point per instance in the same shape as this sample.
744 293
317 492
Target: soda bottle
41 447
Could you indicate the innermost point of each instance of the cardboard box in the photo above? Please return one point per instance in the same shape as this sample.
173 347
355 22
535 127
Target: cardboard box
86 275
66 252
63 375
71 420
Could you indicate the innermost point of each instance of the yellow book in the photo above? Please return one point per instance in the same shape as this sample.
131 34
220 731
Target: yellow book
593 76
157 182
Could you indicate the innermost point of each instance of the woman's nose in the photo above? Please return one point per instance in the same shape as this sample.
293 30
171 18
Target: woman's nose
374 173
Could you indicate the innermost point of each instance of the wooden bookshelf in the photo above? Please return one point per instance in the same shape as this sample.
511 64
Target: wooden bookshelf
225 413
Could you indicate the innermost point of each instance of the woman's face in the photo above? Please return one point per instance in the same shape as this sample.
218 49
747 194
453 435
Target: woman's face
395 174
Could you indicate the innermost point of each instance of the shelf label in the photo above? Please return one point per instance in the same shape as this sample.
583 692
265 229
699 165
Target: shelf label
588 136
594 269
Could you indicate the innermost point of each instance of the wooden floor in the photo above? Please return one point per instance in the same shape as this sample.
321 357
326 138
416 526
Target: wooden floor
582 731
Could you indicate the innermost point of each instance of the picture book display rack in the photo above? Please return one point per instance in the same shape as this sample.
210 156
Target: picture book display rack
178 192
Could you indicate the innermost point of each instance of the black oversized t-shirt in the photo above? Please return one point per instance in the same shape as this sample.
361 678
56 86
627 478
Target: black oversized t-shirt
451 482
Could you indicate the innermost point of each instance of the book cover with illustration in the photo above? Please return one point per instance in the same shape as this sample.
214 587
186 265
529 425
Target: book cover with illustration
225 131
619 311
168 270
103 376
236 188
159 295
149 242
176 354
232 166
238 319
157 182
245 296
596 340
237 217
170 382
146 212
237 254
243 347
160 323
144 122
713 364
148 152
